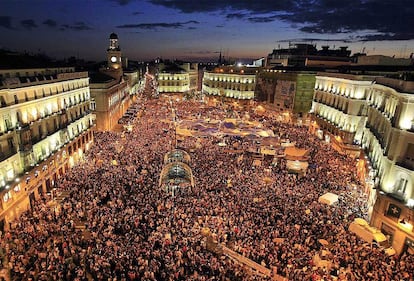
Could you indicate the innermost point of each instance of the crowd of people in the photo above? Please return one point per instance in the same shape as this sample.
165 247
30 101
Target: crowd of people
133 230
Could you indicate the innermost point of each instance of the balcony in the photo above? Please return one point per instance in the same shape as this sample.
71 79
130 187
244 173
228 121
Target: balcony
343 109
347 137
26 146
36 139
377 134
409 165
7 153
22 126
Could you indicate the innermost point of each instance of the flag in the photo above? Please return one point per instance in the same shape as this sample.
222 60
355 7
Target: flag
394 211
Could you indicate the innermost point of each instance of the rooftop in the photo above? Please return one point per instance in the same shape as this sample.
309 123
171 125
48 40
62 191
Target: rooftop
99 77
401 85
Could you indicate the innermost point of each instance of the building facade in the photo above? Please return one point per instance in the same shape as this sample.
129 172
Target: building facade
388 141
377 113
237 83
177 77
286 91
339 105
112 90
45 129
308 55
110 100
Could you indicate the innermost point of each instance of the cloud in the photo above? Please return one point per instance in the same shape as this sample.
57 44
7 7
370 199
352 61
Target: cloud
191 6
315 39
387 36
220 25
391 19
153 26
50 23
79 26
137 13
262 19
236 16
122 2
5 22
28 24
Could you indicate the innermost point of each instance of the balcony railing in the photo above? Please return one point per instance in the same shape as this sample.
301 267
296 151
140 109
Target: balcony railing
377 134
7 153
406 164
25 147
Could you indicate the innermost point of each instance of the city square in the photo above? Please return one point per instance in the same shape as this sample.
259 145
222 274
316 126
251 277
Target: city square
130 228
171 140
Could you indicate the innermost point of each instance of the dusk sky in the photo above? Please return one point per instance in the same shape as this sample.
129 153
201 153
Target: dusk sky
186 29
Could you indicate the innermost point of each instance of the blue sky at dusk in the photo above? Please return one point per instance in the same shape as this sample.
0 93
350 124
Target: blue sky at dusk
186 29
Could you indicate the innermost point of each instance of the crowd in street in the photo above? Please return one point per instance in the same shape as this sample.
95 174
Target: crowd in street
133 230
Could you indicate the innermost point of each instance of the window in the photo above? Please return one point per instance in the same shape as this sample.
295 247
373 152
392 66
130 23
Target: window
401 186
388 232
409 155
2 101
7 196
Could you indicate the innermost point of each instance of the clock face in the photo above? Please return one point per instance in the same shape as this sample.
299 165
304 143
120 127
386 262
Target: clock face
113 59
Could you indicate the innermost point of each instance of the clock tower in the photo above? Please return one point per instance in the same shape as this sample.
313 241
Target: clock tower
114 53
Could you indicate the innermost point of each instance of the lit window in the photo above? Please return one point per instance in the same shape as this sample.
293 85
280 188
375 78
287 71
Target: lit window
7 196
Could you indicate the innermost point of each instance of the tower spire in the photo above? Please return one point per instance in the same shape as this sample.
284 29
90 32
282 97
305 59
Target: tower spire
220 58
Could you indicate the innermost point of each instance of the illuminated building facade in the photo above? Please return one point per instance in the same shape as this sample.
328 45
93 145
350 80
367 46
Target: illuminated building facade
177 77
377 113
110 100
45 129
111 89
231 82
114 57
339 106
389 144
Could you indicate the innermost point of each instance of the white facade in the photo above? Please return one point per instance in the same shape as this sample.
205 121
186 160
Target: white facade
230 85
340 99
379 113
39 115
173 82
389 137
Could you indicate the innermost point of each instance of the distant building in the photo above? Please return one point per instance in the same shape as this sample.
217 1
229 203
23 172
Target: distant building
45 129
307 55
286 91
176 77
259 62
383 60
112 90
230 83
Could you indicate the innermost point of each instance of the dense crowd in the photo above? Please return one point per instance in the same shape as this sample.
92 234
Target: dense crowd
134 230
